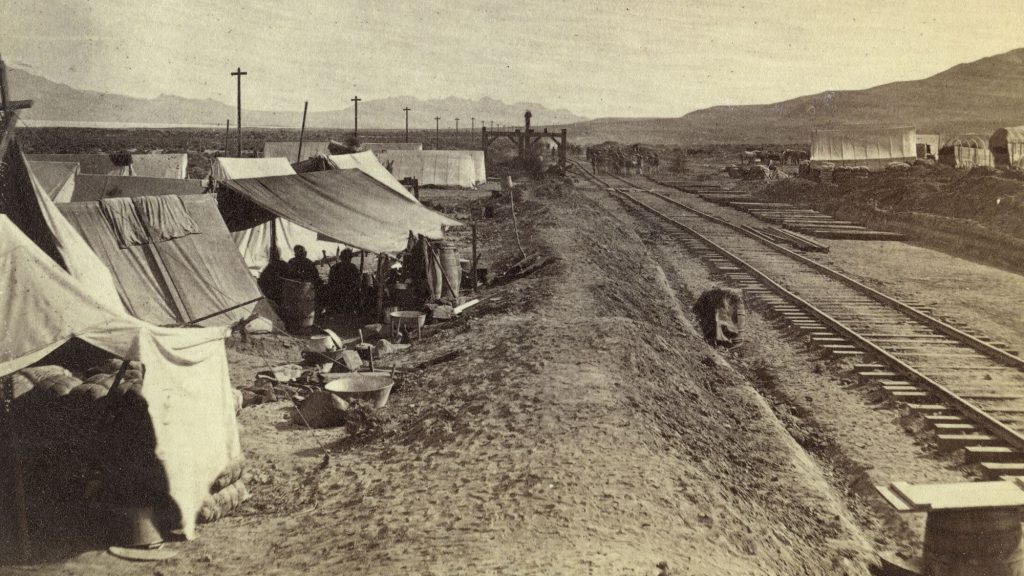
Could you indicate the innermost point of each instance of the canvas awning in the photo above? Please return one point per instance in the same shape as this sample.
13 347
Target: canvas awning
445 168
172 258
56 178
92 187
254 237
187 389
346 205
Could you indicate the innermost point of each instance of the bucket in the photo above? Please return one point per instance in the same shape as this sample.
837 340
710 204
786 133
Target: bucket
974 542
450 263
298 304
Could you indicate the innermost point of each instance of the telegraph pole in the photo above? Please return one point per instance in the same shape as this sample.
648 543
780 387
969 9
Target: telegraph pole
472 124
437 133
227 135
456 126
406 122
357 99
238 74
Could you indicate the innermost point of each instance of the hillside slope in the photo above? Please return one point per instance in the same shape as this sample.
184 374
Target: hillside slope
978 96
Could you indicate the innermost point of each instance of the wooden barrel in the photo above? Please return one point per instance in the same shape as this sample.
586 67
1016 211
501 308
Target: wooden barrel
297 306
974 542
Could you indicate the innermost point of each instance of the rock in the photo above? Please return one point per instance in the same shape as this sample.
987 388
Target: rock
442 312
250 398
373 331
321 410
383 347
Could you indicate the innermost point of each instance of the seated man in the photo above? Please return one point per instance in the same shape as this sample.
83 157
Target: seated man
343 284
302 268
270 278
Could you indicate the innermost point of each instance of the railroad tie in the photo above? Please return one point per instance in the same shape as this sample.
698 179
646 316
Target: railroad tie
994 470
954 441
927 408
992 454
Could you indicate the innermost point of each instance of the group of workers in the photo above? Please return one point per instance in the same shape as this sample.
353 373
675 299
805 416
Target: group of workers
340 294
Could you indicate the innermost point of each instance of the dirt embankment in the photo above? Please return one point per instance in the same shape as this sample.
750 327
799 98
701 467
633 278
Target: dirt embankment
582 428
977 214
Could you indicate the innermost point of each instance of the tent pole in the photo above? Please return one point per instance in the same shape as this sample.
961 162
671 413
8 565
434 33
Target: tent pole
472 272
362 293
380 287
302 132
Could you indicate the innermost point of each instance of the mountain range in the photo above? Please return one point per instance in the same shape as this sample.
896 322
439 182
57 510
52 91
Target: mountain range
975 97
56 102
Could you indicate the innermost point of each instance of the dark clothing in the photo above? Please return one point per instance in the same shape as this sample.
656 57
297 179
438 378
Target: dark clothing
303 270
270 279
343 286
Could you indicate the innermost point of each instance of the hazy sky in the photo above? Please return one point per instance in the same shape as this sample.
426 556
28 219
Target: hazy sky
596 58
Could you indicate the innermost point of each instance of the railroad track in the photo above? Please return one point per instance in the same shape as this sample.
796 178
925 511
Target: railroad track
970 390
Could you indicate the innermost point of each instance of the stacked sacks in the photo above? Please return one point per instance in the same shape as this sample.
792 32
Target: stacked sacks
227 493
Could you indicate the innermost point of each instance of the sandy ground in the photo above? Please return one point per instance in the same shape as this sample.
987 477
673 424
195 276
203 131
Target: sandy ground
583 428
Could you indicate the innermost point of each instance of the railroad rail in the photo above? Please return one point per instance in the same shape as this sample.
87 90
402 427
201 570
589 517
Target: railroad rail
971 391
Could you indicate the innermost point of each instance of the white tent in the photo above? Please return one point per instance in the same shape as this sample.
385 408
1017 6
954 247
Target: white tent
864 146
1007 145
445 168
160 165
290 150
186 388
929 144
368 164
254 243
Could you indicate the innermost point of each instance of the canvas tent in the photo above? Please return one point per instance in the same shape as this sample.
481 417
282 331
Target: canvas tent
92 187
160 165
254 235
379 146
928 144
444 168
187 391
966 151
368 163
56 178
345 205
864 146
290 150
1007 146
149 165
172 257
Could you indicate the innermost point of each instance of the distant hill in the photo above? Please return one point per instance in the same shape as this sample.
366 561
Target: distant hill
60 102
974 97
